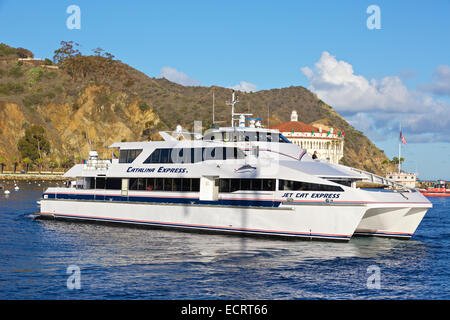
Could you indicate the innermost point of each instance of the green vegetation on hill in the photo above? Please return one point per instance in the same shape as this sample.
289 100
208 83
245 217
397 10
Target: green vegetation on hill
90 101
10 52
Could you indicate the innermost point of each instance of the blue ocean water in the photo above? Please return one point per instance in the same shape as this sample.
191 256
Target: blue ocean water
136 263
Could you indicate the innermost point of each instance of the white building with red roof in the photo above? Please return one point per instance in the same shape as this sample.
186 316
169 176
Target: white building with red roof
328 144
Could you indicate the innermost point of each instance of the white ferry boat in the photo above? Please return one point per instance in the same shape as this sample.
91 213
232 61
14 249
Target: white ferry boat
236 179
204 185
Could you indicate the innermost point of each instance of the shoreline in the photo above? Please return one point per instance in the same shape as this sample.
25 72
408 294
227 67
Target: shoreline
56 176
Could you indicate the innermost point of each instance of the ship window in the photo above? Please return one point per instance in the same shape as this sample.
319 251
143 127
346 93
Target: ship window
167 184
113 183
154 157
251 136
186 184
128 156
232 185
100 183
150 184
210 154
193 155
88 183
224 185
218 136
268 185
159 186
256 184
245 184
165 156
164 184
290 185
347 183
176 184
195 185
196 155
137 184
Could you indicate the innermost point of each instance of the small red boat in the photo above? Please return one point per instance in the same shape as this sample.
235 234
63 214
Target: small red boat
438 190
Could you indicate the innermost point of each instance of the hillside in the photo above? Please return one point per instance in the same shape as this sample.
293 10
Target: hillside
93 101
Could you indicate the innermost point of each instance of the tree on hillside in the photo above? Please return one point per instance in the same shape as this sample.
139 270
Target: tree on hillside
53 164
2 164
100 67
40 162
69 49
395 160
24 53
26 161
34 144
67 163
16 162
66 56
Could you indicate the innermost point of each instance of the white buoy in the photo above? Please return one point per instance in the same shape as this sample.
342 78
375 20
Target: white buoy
7 192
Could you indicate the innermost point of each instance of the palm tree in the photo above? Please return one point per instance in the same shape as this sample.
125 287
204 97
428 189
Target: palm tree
53 164
16 163
395 160
40 161
26 161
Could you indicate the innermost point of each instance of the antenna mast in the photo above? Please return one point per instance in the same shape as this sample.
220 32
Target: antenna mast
233 114
400 150
232 103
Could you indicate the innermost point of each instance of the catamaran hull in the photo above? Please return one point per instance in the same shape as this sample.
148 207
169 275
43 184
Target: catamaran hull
307 222
391 222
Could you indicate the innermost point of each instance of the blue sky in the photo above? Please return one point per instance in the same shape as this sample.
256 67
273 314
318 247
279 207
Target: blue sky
374 78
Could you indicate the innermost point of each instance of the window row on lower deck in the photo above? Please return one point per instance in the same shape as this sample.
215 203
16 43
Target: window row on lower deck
145 184
231 185
165 184
193 185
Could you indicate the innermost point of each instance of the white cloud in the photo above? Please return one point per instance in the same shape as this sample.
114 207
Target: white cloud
378 106
441 81
336 83
179 77
244 86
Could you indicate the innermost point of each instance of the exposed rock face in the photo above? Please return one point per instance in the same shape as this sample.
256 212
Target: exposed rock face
73 133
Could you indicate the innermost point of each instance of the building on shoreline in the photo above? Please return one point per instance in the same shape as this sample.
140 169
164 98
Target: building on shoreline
329 145
404 178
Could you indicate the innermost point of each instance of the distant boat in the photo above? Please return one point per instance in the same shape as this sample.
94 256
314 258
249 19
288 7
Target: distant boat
438 190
